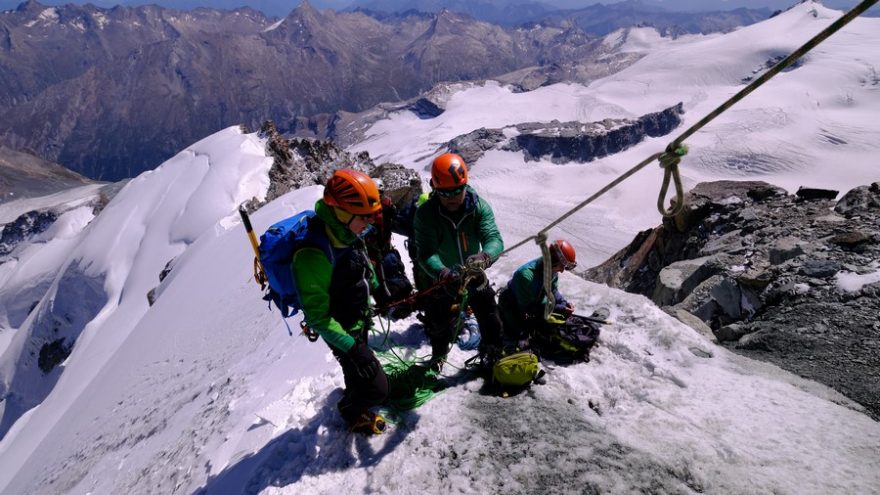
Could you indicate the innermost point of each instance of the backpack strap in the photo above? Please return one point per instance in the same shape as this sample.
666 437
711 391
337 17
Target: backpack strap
317 238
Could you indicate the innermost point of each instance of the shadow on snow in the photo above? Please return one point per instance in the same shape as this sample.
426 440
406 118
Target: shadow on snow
322 445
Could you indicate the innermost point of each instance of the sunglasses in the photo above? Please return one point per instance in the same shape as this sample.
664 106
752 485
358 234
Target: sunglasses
450 193
568 265
346 217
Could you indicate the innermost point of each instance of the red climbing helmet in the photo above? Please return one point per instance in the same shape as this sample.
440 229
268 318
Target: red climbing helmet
352 191
562 253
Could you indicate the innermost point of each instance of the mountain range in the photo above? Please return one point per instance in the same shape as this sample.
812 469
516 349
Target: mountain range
110 93
280 8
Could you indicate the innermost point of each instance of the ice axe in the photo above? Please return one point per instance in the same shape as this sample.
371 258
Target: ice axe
259 273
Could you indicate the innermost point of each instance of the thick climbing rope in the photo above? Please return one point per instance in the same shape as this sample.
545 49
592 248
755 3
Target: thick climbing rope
671 157
548 279
411 383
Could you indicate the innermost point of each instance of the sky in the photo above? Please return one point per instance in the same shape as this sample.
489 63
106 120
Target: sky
204 392
275 6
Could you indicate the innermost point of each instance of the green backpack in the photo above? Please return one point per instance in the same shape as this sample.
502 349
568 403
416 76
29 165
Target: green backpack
516 370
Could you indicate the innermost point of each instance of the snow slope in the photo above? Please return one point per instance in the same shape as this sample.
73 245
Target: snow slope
208 391
27 271
99 290
204 392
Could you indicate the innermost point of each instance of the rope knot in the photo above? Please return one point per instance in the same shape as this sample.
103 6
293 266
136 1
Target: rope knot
669 161
672 156
541 237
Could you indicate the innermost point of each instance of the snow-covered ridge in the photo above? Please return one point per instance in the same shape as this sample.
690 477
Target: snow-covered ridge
99 276
645 40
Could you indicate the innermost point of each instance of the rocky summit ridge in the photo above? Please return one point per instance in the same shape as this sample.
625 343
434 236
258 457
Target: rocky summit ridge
789 279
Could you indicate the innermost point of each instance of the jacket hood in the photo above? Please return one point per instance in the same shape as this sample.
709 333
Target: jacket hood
339 232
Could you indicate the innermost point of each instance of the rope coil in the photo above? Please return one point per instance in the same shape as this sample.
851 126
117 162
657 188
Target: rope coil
669 161
547 276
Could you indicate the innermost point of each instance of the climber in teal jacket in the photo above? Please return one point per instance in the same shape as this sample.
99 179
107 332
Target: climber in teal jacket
522 301
454 230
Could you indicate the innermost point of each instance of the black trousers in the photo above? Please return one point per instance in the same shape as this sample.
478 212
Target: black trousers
442 317
360 394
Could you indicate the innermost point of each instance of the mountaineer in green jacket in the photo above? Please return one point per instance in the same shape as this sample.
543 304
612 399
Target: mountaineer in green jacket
335 293
455 234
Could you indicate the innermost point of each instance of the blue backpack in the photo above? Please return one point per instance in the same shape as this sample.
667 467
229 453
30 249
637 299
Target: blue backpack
277 246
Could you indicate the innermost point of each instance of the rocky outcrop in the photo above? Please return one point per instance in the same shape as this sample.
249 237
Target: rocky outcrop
564 142
426 109
301 162
574 141
31 224
472 145
24 227
791 279
75 298
398 183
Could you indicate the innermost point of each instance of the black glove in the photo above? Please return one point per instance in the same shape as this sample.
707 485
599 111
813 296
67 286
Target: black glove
400 311
480 261
449 276
564 308
365 363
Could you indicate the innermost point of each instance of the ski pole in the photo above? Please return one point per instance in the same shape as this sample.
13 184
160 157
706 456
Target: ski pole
594 319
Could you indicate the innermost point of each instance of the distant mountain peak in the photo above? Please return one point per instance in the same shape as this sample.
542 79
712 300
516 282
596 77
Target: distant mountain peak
305 12
305 6
448 22
30 6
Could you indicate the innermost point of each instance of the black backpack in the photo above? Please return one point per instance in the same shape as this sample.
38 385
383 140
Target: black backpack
394 285
566 339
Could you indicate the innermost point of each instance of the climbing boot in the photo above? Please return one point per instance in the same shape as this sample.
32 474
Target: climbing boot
483 362
436 364
368 423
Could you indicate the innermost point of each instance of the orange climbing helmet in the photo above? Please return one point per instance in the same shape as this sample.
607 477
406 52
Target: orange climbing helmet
352 191
448 172
562 253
